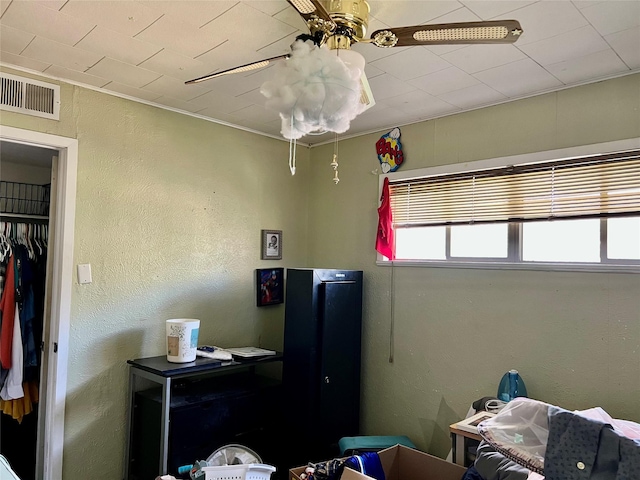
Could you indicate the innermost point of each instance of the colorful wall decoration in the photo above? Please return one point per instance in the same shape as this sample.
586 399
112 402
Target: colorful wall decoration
389 151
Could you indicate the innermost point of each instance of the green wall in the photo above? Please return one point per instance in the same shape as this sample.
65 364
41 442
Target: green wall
169 212
574 337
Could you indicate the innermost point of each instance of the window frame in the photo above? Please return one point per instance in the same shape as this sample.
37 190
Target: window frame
513 260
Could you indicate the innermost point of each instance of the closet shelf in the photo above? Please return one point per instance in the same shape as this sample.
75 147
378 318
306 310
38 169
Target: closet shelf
24 199
20 216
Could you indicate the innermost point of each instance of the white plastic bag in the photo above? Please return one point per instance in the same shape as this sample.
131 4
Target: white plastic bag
520 432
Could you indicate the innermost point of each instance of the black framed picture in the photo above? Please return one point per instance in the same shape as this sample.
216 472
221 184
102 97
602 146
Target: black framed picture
270 282
271 245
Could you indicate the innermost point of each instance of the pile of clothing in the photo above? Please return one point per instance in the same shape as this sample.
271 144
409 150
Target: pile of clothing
532 440
367 463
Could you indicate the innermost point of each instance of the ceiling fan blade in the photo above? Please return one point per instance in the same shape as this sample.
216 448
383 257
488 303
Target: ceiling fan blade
311 9
495 31
243 68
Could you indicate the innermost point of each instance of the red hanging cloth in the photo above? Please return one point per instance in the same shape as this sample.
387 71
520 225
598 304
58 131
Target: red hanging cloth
385 244
8 310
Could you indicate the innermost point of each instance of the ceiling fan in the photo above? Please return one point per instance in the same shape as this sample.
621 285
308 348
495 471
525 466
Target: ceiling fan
340 23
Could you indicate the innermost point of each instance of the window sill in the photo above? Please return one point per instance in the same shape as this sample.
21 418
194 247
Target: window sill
544 267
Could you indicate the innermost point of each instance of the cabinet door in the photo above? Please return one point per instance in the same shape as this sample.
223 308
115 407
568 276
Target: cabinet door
341 319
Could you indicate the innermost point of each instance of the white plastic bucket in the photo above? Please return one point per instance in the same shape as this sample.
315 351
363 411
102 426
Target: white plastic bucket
182 339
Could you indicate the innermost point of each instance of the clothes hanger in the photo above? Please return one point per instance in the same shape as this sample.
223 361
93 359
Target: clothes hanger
20 232
11 234
5 246
23 238
36 239
27 238
45 229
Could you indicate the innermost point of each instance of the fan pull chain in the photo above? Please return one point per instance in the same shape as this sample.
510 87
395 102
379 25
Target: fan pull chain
292 152
334 162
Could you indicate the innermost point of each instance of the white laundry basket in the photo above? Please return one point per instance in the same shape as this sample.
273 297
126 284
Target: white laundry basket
6 473
251 471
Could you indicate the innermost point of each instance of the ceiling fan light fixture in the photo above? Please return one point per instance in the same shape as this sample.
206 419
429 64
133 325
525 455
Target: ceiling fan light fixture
315 91
461 34
320 131
366 95
322 85
353 60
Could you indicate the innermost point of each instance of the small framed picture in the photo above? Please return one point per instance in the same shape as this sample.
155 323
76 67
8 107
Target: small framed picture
270 283
271 245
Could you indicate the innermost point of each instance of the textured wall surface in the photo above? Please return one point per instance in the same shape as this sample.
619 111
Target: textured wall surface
169 212
574 337
18 172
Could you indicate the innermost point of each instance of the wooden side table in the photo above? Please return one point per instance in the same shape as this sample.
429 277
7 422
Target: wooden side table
462 433
460 442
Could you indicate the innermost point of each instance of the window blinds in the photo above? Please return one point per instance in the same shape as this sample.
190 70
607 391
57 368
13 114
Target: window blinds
592 186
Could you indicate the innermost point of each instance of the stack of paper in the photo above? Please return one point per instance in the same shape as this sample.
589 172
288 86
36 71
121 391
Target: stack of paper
249 352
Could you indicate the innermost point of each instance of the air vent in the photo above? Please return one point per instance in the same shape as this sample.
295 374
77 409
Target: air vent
31 97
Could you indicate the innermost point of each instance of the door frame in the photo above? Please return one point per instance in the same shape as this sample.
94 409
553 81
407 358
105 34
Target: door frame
57 350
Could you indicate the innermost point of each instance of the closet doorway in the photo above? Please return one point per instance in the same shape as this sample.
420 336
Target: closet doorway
25 188
26 158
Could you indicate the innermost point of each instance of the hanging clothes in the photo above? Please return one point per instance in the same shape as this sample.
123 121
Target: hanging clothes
21 327
12 388
26 306
385 244
8 308
20 407
3 273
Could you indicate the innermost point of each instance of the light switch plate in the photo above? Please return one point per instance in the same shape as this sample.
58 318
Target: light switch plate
84 273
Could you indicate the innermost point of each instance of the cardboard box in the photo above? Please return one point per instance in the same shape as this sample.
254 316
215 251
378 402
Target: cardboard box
403 463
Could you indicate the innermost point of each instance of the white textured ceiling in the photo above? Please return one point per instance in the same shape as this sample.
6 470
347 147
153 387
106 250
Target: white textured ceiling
147 49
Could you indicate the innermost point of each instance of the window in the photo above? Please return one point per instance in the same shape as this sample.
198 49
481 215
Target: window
565 210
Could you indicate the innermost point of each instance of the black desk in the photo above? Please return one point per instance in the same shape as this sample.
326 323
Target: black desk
160 371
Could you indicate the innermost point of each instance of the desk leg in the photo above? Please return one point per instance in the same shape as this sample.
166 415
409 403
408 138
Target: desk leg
129 435
164 427
459 450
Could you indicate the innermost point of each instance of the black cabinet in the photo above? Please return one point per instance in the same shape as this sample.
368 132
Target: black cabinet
321 369
200 407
